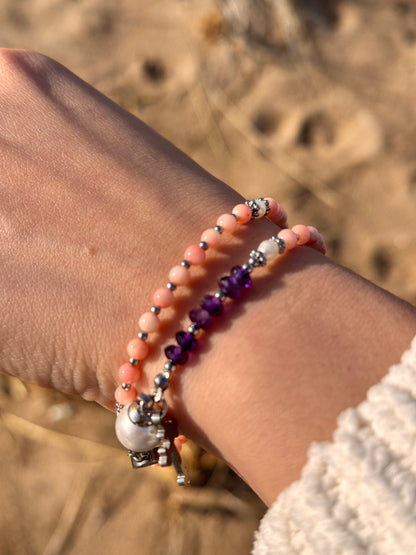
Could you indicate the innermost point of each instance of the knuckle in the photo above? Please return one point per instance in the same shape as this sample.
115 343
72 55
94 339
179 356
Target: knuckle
20 67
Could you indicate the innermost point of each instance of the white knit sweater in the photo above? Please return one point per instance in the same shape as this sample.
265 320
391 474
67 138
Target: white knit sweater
357 494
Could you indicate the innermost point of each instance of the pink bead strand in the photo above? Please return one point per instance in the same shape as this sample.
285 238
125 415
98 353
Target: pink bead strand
179 275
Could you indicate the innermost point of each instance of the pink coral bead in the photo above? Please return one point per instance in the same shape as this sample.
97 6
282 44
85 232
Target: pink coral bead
128 373
137 348
195 255
314 235
243 213
227 222
163 297
302 232
149 322
289 238
125 396
277 213
179 275
212 237
316 240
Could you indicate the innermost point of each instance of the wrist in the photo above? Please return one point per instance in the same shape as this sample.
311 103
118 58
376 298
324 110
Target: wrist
277 376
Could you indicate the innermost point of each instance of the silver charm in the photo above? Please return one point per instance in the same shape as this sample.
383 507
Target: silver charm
141 428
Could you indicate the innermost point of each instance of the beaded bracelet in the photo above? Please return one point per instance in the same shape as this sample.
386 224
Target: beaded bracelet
137 348
141 425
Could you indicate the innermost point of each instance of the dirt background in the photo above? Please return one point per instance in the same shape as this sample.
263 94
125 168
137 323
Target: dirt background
309 101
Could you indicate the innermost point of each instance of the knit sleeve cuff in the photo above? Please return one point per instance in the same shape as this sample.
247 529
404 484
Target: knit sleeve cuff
357 494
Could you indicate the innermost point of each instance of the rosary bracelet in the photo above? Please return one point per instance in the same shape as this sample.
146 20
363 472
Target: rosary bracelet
141 425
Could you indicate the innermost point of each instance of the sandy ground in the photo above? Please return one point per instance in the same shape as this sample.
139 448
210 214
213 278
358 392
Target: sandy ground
313 103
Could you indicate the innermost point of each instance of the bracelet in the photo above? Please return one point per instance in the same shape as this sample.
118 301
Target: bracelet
142 425
137 348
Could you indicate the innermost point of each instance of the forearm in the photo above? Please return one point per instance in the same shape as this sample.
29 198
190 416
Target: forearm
95 210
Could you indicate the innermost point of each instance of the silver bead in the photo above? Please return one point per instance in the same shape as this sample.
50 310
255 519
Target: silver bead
134 436
155 309
186 264
142 335
281 243
162 382
248 267
156 419
171 286
133 361
267 203
219 228
257 258
204 245
169 366
125 386
220 295
194 329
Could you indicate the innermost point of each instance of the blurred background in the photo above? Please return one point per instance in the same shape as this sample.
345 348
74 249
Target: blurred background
310 101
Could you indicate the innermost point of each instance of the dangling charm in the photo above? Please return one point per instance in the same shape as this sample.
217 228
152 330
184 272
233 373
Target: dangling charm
139 428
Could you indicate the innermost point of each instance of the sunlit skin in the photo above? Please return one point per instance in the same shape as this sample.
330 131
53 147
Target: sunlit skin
95 209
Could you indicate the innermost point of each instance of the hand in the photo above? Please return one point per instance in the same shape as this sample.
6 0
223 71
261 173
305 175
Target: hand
92 201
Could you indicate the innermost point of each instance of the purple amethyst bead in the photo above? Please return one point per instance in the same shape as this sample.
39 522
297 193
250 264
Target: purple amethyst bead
186 340
201 318
212 304
230 286
176 354
242 276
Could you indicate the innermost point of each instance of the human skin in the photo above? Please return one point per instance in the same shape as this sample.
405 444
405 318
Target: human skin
95 208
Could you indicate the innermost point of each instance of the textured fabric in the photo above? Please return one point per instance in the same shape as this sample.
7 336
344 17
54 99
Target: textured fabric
357 494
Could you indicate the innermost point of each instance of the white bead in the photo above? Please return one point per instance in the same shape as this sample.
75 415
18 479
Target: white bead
269 248
133 436
262 208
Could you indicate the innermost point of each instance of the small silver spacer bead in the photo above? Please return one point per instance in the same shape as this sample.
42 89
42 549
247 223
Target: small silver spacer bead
156 419
248 267
253 207
219 228
281 243
267 203
142 335
155 309
186 264
119 406
126 386
161 382
220 295
134 361
169 366
158 397
257 258
194 329
172 286
235 216
204 245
